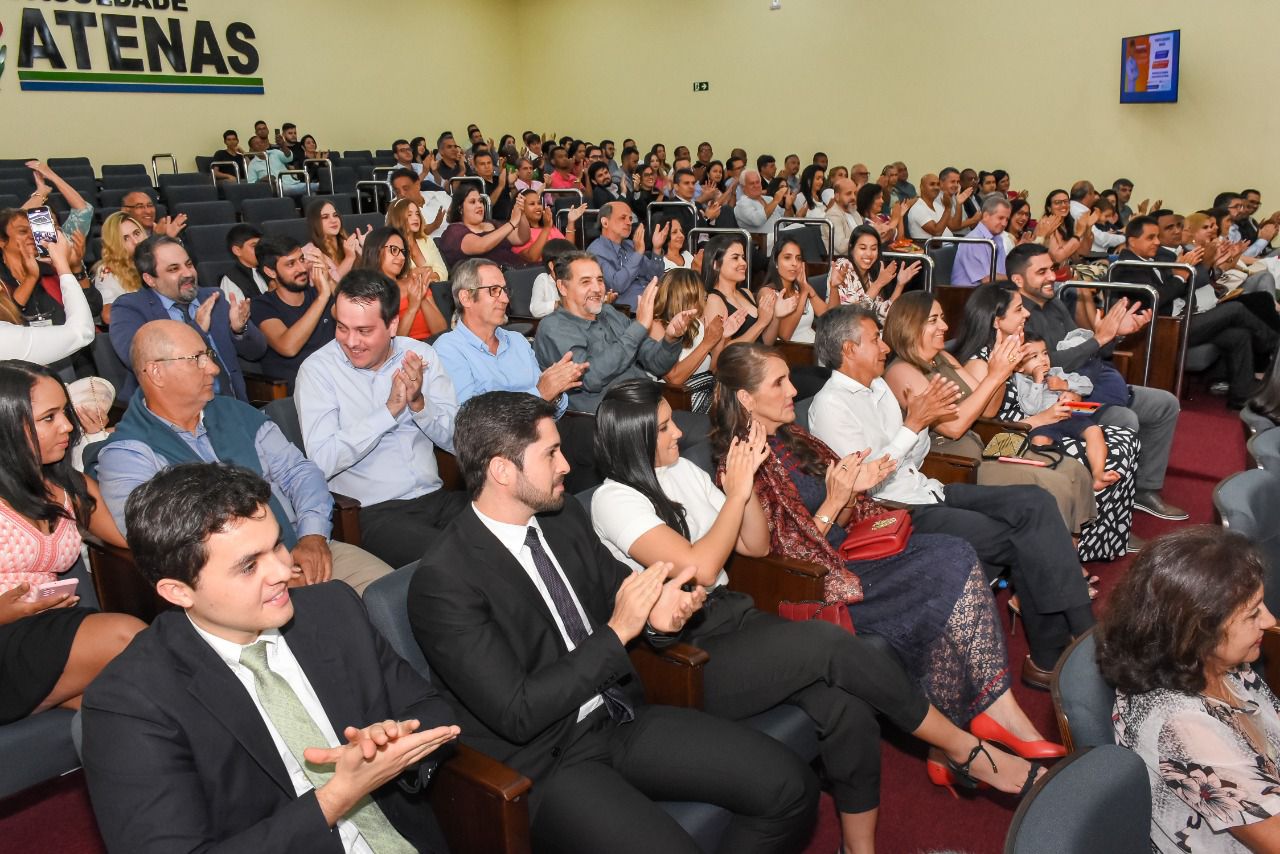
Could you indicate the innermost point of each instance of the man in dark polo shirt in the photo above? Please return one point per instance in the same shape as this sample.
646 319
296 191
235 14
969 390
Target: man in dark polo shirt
295 316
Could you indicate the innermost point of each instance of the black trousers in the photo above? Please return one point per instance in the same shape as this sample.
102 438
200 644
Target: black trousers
840 680
1019 527
601 795
400 531
1239 334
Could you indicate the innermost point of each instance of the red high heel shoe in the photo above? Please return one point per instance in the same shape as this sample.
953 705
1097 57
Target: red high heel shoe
940 775
985 727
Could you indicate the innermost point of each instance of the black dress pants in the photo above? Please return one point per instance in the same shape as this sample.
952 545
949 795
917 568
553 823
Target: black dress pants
1239 335
840 680
1019 527
400 531
601 796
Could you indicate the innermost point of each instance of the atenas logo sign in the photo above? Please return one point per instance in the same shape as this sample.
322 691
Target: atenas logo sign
70 46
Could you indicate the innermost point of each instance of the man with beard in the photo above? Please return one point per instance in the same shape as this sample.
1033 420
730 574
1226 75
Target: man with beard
615 346
172 293
294 315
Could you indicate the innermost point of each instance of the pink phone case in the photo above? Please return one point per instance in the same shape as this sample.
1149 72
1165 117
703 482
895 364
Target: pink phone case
53 588
1020 461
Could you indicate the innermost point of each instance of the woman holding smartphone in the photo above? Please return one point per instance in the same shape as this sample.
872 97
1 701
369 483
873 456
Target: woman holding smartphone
50 648
48 343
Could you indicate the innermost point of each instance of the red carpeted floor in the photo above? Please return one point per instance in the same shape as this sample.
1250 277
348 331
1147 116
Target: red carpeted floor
915 817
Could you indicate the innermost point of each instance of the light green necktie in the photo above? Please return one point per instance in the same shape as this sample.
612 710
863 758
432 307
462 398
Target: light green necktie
299 732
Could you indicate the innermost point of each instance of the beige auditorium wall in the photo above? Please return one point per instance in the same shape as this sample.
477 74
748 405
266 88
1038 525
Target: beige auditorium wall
354 74
1029 86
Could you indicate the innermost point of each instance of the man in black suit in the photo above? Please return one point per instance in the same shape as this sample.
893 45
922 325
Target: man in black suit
525 618
246 722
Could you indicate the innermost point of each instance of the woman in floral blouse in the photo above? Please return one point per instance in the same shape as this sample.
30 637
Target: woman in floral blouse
1183 628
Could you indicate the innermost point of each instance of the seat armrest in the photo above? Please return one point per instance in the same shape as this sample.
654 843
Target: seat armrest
773 579
481 804
950 468
118 583
346 519
677 396
263 389
672 676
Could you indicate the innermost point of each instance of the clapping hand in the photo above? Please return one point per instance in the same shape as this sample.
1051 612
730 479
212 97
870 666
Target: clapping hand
659 237
237 314
744 458
644 305
677 325
1006 355
887 272
563 376
637 238
870 472
676 605
908 271
734 322
406 386
1048 225
937 402
204 313
575 213
767 302
784 306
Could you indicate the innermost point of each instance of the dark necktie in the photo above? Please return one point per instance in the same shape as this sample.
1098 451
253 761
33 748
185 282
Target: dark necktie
614 700
222 382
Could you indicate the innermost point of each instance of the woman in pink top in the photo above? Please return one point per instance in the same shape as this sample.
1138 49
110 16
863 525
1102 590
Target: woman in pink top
541 228
50 649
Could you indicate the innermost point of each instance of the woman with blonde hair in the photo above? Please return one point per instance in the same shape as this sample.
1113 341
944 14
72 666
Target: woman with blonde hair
405 217
680 290
114 275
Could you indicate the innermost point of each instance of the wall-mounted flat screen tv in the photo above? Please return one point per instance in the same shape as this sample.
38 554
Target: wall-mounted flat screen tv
1149 68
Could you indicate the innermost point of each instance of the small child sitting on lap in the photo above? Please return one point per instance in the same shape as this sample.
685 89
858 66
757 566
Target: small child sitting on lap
1040 388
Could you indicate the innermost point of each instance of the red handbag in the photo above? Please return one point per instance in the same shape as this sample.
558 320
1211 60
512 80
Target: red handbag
837 613
878 536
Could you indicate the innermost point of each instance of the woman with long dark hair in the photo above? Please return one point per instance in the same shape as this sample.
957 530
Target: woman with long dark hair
1069 238
996 311
50 649
385 251
724 275
863 277
1178 642
930 601
809 200
471 235
871 206
655 505
787 276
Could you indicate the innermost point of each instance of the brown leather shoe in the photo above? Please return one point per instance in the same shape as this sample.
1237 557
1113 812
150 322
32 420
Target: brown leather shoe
1033 676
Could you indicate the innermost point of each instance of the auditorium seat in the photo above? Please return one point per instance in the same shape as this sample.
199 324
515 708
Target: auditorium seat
60 164
1264 448
520 281
107 364
184 179
113 169
125 180
1254 422
16 162
22 174
9 201
210 273
14 187
351 222
207 213
207 242
1096 800
71 174
343 203
237 192
39 747
344 180
365 155
184 194
1082 699
261 210
294 227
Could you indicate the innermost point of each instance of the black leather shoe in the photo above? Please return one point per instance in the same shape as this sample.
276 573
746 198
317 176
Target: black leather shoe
1135 543
1150 501
1033 676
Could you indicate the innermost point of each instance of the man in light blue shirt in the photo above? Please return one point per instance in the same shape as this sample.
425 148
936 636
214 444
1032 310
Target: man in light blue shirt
176 419
373 409
973 260
480 356
627 267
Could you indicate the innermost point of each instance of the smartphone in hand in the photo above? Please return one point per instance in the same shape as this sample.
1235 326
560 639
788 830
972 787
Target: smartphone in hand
44 228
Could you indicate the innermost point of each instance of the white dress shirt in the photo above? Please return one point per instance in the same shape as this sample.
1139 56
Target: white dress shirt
850 417
348 431
281 661
512 538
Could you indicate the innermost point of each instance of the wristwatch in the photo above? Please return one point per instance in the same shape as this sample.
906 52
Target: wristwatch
824 519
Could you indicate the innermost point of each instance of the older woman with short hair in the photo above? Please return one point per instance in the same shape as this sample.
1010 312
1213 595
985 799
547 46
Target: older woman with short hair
1178 640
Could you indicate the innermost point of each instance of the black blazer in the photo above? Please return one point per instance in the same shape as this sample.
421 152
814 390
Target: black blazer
178 759
493 645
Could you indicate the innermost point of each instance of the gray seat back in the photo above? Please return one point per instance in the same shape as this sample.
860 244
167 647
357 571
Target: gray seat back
1265 449
1081 697
387 600
1249 502
285 416
1097 801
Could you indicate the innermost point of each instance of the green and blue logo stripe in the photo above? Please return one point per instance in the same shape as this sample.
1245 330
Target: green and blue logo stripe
88 81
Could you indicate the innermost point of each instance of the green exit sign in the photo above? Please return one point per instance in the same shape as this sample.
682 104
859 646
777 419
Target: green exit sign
701 86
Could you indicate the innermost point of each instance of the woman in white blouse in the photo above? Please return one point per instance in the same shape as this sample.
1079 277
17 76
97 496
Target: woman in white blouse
654 506
45 345
114 276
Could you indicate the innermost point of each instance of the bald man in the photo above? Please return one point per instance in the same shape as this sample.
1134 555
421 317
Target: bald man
841 213
933 214
175 417
757 212
859 174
